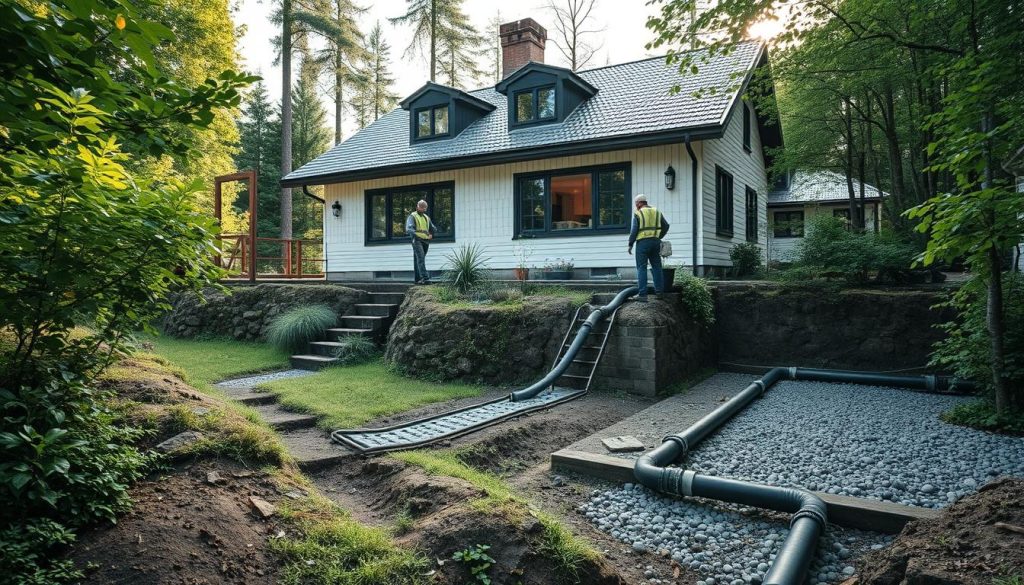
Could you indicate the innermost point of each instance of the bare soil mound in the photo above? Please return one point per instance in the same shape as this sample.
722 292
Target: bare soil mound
976 541
183 530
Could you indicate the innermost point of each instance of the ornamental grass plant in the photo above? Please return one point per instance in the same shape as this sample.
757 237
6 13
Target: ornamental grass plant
294 329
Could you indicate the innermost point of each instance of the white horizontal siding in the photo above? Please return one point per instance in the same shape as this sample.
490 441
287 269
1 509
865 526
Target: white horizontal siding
484 214
784 249
748 170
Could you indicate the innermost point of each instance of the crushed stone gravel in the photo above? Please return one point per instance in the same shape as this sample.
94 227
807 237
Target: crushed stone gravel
253 381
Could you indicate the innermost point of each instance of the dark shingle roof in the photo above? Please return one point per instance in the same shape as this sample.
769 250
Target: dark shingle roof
633 99
819 187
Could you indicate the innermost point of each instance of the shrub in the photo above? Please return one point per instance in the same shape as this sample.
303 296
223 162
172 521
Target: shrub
829 248
981 414
966 349
357 350
696 296
294 329
746 258
467 268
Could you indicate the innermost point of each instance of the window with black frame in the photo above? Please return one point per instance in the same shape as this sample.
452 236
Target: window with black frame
788 224
534 105
432 122
573 202
751 215
723 202
387 210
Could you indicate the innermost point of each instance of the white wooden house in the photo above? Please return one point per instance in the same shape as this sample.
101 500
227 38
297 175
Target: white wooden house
808 194
550 160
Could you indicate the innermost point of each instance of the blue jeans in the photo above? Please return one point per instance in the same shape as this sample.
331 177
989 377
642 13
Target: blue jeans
648 250
419 259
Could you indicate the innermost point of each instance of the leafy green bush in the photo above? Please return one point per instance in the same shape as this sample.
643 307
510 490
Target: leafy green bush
295 328
966 349
696 296
982 415
357 350
477 561
829 248
25 546
467 268
746 258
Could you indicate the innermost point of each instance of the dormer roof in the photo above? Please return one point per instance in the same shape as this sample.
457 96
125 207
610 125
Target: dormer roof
454 93
567 75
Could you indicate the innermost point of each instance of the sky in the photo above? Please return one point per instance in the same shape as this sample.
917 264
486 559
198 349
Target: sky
622 38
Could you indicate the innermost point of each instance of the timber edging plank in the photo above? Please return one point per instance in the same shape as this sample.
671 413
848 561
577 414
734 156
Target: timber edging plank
844 511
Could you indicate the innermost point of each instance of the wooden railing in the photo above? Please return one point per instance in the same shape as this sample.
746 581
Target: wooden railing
272 258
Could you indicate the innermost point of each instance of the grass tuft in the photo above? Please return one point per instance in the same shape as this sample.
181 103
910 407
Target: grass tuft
294 329
357 350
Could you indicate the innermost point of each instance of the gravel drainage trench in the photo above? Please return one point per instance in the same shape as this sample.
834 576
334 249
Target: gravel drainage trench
878 443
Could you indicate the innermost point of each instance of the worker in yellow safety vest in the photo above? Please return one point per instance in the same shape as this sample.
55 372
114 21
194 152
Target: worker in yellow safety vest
649 227
421 230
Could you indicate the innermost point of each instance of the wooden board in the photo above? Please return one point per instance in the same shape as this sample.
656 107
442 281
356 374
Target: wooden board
844 511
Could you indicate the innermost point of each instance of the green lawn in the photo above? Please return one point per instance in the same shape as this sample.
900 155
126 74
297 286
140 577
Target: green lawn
204 362
352 395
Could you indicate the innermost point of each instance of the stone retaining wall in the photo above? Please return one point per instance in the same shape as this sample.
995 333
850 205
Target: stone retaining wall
246 312
870 329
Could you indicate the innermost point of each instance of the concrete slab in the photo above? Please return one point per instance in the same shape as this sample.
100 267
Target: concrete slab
623 444
670 415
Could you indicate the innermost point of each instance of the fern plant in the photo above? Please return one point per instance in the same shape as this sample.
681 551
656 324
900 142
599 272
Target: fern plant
467 268
294 329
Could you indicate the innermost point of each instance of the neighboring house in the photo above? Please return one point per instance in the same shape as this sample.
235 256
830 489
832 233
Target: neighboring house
1015 166
807 194
551 160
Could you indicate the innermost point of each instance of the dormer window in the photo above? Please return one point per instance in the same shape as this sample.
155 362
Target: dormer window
432 122
437 112
535 105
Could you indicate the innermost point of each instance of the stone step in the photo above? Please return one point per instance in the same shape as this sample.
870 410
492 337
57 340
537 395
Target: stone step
339 333
326 348
282 420
313 450
257 399
312 362
376 309
363 322
389 298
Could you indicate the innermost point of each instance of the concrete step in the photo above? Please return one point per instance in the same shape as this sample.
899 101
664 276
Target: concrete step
363 322
326 348
313 450
312 362
389 298
257 399
283 420
376 309
339 333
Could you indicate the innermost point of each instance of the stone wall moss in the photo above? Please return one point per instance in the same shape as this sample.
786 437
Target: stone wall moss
245 312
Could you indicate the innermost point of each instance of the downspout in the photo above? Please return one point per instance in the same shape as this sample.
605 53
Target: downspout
693 187
594 318
809 511
308 193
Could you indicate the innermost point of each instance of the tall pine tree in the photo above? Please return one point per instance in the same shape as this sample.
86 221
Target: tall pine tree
439 26
311 137
374 94
260 149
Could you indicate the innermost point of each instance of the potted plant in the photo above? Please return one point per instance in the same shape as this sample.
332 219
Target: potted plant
522 269
558 269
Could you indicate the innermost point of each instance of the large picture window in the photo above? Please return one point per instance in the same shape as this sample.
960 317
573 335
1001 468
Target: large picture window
723 202
387 210
573 202
788 224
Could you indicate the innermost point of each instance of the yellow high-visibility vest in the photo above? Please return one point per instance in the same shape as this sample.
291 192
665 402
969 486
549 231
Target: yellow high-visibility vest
422 225
649 222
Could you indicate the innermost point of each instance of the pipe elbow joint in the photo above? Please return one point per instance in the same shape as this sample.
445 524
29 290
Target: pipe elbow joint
811 506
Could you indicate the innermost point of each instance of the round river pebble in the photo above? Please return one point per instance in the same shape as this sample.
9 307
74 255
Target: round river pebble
721 543
852 440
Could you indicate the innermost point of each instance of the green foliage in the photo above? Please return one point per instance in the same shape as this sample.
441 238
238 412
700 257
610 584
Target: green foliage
566 550
24 557
357 350
203 362
966 348
746 258
982 415
506 295
375 95
467 268
477 561
295 328
830 248
696 296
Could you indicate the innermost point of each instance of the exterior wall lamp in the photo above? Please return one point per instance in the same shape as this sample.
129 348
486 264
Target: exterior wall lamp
670 178
336 209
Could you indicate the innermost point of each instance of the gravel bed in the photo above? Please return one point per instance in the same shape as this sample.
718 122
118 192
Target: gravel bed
864 441
724 544
253 381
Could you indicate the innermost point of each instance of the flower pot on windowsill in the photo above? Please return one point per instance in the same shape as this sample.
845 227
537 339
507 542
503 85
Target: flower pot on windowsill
557 275
522 273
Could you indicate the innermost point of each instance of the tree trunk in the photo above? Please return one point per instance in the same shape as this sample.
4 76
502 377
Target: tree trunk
433 40
994 319
338 101
286 117
848 132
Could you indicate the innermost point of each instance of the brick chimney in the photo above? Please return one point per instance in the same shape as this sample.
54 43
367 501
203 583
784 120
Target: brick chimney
522 41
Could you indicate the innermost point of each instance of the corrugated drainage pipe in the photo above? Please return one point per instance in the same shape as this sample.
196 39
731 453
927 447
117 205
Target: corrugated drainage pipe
594 318
809 512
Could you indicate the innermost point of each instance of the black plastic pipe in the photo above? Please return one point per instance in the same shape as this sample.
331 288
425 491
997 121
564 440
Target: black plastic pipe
809 511
594 318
